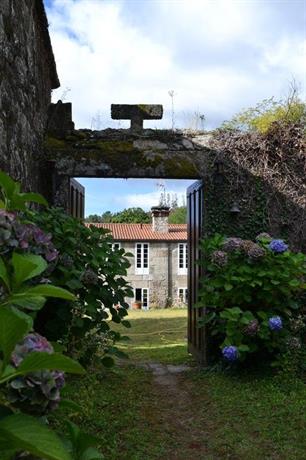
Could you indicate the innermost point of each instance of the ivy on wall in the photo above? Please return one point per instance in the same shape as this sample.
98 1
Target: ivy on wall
263 174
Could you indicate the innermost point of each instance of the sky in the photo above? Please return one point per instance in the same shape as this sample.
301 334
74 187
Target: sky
215 56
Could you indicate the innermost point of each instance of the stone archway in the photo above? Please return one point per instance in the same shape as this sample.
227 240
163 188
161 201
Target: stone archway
130 153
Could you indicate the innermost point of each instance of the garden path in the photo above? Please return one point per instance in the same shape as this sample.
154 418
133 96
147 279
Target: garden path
174 406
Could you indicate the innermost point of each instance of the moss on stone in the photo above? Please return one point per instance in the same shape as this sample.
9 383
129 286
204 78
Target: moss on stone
54 143
182 168
115 146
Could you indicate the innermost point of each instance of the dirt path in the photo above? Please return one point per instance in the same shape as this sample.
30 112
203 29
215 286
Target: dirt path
175 404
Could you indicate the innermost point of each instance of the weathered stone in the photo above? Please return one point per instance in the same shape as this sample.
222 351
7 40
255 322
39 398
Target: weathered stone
150 145
137 113
120 153
27 75
187 144
60 119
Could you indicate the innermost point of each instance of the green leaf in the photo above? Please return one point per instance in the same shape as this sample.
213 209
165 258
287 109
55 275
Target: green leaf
3 273
243 348
207 318
29 302
294 283
26 266
7 184
26 301
47 290
36 361
12 330
23 432
228 286
126 323
34 198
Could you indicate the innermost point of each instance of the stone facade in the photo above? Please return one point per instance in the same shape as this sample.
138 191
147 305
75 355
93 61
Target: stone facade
27 76
164 278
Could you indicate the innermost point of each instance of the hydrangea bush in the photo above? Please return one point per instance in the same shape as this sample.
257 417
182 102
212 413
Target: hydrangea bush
37 392
24 237
31 373
89 267
253 293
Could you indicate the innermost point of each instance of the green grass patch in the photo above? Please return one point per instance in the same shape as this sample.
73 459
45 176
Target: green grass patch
254 417
156 335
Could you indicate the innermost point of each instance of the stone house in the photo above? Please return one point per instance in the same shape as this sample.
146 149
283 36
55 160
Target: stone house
158 271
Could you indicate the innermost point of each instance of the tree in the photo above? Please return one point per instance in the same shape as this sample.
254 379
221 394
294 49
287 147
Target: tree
178 215
107 216
93 218
132 215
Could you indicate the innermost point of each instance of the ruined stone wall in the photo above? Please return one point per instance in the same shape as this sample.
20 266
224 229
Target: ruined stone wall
27 75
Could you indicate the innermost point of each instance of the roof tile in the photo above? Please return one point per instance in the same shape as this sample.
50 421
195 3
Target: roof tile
143 232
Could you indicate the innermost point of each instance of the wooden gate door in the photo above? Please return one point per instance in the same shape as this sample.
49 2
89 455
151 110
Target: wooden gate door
196 336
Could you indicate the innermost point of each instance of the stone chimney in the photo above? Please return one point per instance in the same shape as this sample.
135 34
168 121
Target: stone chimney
160 216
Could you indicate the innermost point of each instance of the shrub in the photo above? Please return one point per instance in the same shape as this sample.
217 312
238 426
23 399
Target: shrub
93 271
261 117
253 294
24 255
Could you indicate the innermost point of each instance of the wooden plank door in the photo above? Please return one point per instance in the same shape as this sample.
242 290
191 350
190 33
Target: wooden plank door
195 209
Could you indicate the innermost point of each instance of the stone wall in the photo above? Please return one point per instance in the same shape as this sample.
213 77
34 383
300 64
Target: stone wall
27 76
262 205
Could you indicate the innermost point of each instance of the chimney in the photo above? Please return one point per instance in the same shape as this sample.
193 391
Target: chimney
160 216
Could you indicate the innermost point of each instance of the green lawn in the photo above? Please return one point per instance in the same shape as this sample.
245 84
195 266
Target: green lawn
204 415
157 335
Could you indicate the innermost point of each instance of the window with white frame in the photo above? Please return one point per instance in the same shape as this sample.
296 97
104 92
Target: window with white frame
142 259
183 295
142 295
182 259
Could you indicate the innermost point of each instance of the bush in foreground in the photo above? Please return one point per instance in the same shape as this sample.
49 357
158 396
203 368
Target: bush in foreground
253 293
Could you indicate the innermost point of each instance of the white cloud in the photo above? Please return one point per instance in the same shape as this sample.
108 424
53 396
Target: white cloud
218 56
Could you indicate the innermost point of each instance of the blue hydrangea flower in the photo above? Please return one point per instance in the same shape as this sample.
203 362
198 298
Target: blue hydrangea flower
275 323
230 353
278 246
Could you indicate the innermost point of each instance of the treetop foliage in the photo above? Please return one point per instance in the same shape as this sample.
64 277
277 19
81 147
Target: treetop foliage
137 216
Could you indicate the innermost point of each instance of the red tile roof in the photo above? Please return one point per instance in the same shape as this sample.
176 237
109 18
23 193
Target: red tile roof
144 232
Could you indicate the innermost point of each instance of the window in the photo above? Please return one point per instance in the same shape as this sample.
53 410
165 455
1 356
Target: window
114 246
183 295
182 259
142 295
142 259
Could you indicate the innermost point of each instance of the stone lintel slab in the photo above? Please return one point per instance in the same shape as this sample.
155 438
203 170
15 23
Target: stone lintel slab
118 153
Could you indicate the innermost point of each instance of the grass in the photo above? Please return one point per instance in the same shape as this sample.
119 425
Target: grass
204 415
158 335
